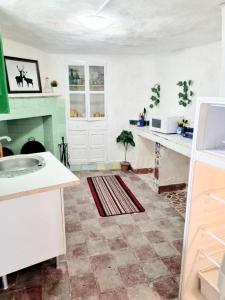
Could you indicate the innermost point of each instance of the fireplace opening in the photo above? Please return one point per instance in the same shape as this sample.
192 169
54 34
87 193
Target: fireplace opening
21 130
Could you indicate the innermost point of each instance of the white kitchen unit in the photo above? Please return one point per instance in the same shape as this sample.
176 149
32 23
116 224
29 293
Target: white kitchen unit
204 236
87 122
168 155
32 227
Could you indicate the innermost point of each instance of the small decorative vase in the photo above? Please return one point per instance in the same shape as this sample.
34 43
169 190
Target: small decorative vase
47 88
180 130
142 122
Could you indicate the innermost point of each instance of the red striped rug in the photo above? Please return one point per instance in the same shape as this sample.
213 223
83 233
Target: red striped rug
112 196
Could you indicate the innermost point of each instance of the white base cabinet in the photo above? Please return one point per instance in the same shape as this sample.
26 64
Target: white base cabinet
87 142
32 230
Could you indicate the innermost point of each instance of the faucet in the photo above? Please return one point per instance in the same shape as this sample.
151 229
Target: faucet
8 139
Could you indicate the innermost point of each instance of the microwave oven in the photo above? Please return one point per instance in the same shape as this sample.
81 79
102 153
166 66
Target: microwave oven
164 124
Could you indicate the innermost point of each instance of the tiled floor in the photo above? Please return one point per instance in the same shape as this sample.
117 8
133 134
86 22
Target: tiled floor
178 200
134 257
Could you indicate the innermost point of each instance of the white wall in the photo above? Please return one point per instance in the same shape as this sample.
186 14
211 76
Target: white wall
12 48
129 79
200 64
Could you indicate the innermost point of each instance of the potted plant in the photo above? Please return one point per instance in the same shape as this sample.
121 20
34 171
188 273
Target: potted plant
127 139
181 126
54 84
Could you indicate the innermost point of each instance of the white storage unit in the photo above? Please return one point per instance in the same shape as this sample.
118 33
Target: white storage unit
32 221
87 121
204 237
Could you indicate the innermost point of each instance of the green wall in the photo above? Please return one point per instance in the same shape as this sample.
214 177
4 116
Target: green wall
41 117
4 106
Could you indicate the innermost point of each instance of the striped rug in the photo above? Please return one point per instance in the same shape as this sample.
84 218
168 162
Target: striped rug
112 196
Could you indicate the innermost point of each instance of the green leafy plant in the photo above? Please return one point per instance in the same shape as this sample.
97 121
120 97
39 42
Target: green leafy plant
54 83
186 94
155 98
127 139
182 123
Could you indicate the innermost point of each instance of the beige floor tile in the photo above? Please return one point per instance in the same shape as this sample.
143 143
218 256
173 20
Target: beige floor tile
108 279
125 257
142 292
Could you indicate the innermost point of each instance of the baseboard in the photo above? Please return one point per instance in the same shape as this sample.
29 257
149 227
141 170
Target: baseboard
95 166
142 170
171 187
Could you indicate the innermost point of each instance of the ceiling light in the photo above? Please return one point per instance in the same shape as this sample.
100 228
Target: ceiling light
95 22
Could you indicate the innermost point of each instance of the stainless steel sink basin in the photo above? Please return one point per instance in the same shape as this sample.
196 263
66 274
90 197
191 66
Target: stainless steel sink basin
20 165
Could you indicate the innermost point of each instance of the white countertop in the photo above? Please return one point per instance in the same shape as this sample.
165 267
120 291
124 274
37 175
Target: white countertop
53 176
174 142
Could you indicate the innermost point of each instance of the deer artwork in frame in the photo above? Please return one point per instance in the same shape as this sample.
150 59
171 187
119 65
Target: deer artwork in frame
22 75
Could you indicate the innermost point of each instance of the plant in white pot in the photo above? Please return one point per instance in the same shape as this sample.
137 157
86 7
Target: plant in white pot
54 84
126 138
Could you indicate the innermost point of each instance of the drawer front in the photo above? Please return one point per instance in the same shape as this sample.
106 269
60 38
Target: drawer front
78 138
97 125
76 125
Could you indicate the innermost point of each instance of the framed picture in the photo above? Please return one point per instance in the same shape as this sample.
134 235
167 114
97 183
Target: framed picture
23 75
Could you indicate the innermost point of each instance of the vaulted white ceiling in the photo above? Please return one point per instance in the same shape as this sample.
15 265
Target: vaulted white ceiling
139 26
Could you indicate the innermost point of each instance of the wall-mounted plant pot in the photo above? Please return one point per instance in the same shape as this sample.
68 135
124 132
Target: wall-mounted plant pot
125 166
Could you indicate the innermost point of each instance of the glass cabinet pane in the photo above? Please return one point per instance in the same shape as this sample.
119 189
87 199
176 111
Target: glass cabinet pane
76 78
96 78
77 106
97 106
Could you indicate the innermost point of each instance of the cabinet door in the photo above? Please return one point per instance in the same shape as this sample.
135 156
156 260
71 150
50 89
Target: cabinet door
96 78
78 146
78 106
33 230
96 92
4 103
97 147
97 105
76 78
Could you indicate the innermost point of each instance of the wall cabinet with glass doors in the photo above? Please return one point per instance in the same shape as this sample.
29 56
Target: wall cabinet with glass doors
87 92
87 111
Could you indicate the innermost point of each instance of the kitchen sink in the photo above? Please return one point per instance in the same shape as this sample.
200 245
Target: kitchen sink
20 165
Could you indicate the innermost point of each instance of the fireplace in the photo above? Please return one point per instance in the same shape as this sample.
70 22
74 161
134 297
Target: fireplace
39 116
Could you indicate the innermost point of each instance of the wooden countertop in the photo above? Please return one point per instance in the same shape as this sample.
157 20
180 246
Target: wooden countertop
53 176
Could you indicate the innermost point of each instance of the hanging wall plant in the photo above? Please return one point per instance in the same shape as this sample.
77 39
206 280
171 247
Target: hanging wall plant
186 94
155 98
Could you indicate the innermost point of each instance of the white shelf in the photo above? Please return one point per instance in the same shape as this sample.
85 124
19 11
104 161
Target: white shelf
210 157
208 279
76 92
218 196
220 153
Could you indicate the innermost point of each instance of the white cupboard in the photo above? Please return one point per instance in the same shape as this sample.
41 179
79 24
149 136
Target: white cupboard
87 121
204 237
